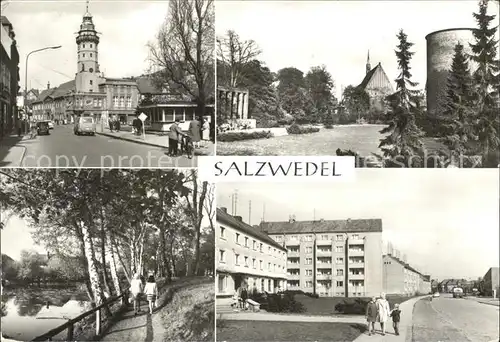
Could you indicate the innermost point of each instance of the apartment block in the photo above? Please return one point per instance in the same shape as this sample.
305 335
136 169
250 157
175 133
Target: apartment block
331 257
400 278
491 282
247 256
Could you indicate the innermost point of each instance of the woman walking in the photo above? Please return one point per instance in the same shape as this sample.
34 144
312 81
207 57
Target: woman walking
151 291
136 290
383 310
195 132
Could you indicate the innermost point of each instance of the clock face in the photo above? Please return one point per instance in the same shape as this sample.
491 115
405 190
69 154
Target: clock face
91 70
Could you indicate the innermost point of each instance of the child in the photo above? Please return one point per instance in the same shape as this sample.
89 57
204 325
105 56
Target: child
371 315
396 317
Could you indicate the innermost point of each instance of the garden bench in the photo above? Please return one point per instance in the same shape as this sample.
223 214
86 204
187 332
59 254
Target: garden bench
253 305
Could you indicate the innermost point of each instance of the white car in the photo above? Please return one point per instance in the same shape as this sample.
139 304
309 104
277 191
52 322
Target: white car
436 294
51 125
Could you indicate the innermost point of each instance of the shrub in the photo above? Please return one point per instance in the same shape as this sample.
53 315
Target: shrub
284 303
312 295
238 136
296 129
353 306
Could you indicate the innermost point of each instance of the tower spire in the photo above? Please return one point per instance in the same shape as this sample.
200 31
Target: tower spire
87 6
368 66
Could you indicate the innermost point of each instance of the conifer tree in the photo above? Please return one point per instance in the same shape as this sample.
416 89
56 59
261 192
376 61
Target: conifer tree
459 115
486 79
403 137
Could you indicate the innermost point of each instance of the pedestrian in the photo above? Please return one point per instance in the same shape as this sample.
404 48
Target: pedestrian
195 131
205 130
19 127
136 290
174 134
371 315
383 310
396 317
151 291
244 297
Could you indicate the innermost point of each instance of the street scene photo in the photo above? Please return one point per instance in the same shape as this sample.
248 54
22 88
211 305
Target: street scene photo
394 256
107 83
394 83
106 255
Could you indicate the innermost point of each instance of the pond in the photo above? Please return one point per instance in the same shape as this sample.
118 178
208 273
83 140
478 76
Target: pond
26 315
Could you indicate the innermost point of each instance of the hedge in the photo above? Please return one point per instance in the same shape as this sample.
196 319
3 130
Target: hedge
296 129
239 136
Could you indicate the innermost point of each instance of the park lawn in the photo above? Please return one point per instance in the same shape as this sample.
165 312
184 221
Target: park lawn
228 330
363 139
325 306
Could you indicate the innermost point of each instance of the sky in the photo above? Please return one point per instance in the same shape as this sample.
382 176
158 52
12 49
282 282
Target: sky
125 26
339 34
16 236
445 221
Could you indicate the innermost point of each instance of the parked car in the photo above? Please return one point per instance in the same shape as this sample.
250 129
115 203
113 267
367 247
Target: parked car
435 295
42 128
51 125
458 292
84 125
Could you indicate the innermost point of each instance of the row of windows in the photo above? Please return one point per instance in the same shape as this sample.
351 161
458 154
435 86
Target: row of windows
83 54
119 101
309 272
83 46
326 260
309 283
338 237
245 261
242 240
309 249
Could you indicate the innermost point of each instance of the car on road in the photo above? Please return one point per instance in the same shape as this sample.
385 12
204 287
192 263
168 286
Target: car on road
435 295
42 128
84 125
458 292
51 125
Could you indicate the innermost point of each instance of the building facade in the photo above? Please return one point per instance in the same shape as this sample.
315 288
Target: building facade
9 78
247 257
331 258
377 85
491 282
400 278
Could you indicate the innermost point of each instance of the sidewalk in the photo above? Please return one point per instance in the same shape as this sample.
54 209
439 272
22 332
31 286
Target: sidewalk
488 301
11 153
156 139
405 325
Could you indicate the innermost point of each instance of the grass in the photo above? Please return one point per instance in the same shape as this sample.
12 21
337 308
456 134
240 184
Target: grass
190 316
325 306
287 331
363 139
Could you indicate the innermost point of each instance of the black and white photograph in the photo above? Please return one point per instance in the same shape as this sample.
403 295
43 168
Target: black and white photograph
106 255
394 256
107 83
394 83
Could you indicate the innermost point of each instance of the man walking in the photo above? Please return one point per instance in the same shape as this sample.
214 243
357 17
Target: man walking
174 134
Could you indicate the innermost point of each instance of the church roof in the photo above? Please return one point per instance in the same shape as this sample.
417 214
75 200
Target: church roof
369 76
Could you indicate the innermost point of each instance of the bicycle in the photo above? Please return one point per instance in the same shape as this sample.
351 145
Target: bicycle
187 146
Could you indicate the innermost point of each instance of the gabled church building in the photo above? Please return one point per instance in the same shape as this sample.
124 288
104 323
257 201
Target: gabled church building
377 85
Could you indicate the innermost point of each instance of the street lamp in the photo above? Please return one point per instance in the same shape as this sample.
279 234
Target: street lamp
26 71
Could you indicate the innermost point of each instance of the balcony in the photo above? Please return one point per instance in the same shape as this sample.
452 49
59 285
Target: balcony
293 254
293 276
356 276
324 276
356 252
356 264
356 289
323 242
326 252
292 243
354 242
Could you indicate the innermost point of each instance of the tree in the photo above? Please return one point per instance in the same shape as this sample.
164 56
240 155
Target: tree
209 206
31 265
292 93
319 85
458 119
10 268
487 85
403 137
184 50
235 53
357 102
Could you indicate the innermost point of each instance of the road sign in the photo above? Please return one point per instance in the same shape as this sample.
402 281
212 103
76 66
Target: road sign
143 117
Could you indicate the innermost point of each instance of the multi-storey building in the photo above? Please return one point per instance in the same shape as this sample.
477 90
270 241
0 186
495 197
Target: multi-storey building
401 278
246 256
9 77
331 258
491 281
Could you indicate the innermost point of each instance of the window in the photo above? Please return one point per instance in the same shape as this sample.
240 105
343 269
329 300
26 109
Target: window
324 237
278 238
91 82
237 259
339 237
222 256
90 45
246 261
309 238
222 232
309 273
339 261
122 100
293 237
100 105
84 46
355 236
254 245
90 55
261 247
129 102
340 283
269 250
237 238
246 241
309 283
309 250
95 102
339 249
83 54
274 267
254 263
261 265
340 272
309 261
115 101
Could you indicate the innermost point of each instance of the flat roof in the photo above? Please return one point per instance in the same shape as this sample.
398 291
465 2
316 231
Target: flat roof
450 29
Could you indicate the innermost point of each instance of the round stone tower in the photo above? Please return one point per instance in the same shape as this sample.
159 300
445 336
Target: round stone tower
440 51
87 40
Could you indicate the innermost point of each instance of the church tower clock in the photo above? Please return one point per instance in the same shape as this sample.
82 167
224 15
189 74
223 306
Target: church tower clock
87 40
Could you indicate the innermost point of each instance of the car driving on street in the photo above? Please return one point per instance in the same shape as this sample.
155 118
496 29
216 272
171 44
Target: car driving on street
84 125
42 128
